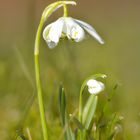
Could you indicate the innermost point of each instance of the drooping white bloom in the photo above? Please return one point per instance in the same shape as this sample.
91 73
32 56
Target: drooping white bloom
94 86
68 27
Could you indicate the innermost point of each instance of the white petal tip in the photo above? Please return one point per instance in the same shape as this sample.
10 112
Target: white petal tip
97 37
90 30
51 44
102 42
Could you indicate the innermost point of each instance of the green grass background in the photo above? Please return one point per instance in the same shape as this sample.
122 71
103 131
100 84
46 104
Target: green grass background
118 23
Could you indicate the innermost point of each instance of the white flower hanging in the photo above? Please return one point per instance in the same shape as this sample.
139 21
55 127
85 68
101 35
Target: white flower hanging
68 27
94 86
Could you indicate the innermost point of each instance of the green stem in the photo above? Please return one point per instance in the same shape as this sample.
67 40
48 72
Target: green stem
38 80
65 10
80 112
80 106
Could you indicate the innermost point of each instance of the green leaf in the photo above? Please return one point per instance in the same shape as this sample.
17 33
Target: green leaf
69 135
62 104
78 123
89 110
111 137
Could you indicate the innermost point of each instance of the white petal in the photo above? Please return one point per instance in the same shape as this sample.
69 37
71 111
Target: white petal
90 30
46 31
91 82
77 33
73 30
94 86
52 36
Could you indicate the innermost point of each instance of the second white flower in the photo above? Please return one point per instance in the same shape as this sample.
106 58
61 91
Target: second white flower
94 86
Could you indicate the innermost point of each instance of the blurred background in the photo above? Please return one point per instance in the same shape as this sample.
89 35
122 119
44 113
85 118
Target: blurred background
118 23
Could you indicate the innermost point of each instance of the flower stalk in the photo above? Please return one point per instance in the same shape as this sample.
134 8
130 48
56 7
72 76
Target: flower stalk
80 112
80 106
38 82
47 12
65 11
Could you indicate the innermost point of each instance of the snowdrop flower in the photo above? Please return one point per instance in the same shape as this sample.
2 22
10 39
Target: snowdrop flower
68 27
94 86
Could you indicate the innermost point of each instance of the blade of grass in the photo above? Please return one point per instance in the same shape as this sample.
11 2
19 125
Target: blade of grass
69 135
89 110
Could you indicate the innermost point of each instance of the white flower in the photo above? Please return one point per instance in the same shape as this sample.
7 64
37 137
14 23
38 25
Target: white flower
94 86
68 27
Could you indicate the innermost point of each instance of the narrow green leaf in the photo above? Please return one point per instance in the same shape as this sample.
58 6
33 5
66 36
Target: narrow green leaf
69 135
62 104
111 137
78 123
89 111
